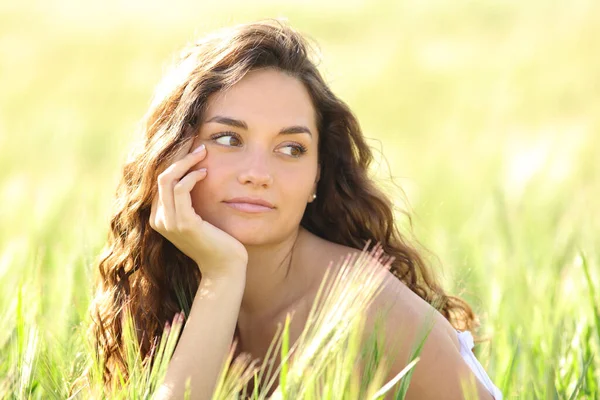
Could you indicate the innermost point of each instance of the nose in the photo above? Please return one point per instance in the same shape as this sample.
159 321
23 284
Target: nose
255 170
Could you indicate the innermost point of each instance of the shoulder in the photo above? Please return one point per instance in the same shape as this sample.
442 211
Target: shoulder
405 307
407 310
404 319
402 309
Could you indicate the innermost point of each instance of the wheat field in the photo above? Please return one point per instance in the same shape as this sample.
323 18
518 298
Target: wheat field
485 113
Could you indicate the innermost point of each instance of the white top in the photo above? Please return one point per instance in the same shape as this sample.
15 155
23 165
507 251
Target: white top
466 351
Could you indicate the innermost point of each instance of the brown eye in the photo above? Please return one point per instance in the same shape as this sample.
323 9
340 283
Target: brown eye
227 139
296 150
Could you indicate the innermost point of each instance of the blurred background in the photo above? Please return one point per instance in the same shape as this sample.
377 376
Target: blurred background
486 113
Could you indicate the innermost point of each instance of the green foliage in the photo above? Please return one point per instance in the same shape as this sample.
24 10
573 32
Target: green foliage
489 113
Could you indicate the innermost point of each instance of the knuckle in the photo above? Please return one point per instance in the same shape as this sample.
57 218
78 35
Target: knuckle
168 228
179 187
184 227
163 178
159 222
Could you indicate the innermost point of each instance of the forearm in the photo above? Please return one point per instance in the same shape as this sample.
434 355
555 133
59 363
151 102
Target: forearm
206 339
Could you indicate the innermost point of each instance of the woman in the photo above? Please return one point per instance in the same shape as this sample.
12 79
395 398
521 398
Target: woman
251 177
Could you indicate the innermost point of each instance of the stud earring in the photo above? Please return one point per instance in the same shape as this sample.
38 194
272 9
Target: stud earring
314 196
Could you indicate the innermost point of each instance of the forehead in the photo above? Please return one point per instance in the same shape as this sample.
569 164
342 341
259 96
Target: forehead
265 97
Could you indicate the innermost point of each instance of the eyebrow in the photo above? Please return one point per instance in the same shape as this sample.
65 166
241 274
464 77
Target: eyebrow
242 125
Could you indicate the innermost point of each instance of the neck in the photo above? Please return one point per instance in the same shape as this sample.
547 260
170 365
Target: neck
272 281
267 275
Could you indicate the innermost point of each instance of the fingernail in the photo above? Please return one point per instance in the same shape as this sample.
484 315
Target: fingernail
199 149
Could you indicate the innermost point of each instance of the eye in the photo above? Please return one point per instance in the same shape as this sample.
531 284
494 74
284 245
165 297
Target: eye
232 139
227 138
296 150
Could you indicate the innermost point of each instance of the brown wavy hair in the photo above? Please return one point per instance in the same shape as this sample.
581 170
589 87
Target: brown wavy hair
140 269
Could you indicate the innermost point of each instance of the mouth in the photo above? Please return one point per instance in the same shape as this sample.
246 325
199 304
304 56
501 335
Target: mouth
250 205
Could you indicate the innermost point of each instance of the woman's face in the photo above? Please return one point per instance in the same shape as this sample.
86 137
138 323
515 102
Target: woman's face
261 140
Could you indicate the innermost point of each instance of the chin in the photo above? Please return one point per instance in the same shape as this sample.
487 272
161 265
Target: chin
252 237
247 231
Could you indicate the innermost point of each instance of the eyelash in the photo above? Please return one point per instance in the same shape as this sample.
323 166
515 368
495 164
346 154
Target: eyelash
301 148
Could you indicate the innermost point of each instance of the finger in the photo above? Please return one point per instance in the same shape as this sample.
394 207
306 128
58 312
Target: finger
184 211
169 178
153 207
157 218
165 201
180 167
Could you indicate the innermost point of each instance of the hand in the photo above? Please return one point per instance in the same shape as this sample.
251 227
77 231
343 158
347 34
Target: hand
172 215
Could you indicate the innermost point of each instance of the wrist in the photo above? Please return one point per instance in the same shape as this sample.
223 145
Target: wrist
216 285
235 273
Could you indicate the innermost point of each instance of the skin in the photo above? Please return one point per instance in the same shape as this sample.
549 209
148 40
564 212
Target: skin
259 162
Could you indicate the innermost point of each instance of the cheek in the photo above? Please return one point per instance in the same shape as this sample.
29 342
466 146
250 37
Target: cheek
291 188
295 185
210 189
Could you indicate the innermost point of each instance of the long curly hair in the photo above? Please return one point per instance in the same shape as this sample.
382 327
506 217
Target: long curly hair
141 270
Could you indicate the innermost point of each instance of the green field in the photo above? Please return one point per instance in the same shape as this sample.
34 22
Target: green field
485 113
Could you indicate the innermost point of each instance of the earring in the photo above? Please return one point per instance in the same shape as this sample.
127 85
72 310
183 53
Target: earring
314 196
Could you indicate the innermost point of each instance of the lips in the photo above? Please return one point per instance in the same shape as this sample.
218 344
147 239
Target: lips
250 205
251 200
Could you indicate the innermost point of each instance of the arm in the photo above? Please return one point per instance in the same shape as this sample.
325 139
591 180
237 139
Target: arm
206 339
